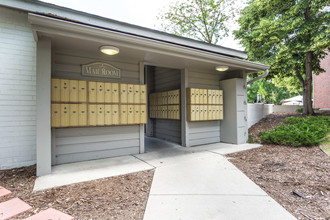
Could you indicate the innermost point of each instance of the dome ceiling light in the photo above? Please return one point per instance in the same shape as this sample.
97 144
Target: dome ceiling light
222 68
109 50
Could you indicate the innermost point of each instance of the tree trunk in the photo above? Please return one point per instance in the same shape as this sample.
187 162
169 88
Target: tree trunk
307 86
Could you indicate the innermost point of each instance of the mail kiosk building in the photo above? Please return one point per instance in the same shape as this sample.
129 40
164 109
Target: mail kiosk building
76 87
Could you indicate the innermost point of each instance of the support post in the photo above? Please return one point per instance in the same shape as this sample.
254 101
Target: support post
184 123
43 90
141 126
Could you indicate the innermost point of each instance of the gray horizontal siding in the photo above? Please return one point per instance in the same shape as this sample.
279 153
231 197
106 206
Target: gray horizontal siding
204 132
79 144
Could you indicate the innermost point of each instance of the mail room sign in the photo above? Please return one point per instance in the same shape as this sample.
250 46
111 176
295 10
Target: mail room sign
99 69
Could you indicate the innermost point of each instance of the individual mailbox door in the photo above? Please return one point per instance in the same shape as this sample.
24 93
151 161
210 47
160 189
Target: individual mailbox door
65 90
92 115
130 114
107 115
82 93
82 118
65 115
196 112
73 90
143 94
192 112
170 112
143 113
177 111
100 115
170 97
217 97
130 93
100 92
214 97
201 96
197 101
221 97
74 115
56 115
123 93
136 95
176 95
201 112
205 97
209 96
205 112
191 96
92 92
217 112
221 112
123 114
107 92
214 112
115 114
56 90
137 115
115 93
164 98
209 112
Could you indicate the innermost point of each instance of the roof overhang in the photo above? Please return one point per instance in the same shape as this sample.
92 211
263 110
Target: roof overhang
54 26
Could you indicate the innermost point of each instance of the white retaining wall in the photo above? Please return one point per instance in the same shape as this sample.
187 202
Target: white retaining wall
257 111
17 90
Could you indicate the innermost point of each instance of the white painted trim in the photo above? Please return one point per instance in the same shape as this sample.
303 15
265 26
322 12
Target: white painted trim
65 28
141 77
184 123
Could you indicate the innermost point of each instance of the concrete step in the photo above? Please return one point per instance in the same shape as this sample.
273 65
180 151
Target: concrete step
50 214
4 192
12 208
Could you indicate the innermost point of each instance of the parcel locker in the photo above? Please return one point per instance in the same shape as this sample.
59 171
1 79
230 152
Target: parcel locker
123 93
143 113
191 96
107 115
92 92
136 94
137 116
107 92
56 115
56 90
100 92
130 114
130 93
143 94
92 115
82 117
115 93
65 90
100 115
73 85
221 97
82 91
123 114
115 114
74 115
65 115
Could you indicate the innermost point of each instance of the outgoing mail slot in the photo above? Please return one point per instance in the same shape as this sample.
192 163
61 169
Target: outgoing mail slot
100 92
100 115
143 113
130 114
74 115
82 118
115 114
137 116
107 115
73 90
65 90
65 115
130 93
136 95
123 114
123 93
143 94
107 92
82 93
56 115
115 93
92 115
92 92
56 90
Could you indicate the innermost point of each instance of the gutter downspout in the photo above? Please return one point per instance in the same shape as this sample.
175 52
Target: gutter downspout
259 77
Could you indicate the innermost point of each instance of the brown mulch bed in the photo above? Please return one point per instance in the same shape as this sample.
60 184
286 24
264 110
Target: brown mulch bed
279 170
120 197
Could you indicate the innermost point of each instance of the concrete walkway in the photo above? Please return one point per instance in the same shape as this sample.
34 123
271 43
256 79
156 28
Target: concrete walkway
189 183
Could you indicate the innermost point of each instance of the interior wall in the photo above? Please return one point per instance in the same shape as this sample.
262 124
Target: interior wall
79 144
165 79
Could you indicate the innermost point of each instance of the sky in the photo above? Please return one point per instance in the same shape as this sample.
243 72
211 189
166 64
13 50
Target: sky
142 13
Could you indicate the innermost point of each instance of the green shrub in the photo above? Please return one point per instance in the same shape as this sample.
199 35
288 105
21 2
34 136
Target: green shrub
309 131
299 110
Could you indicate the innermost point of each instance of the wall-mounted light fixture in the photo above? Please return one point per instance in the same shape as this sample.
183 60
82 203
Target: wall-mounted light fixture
222 68
109 50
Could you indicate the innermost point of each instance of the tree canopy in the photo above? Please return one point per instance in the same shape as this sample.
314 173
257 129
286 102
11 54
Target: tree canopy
204 20
290 36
